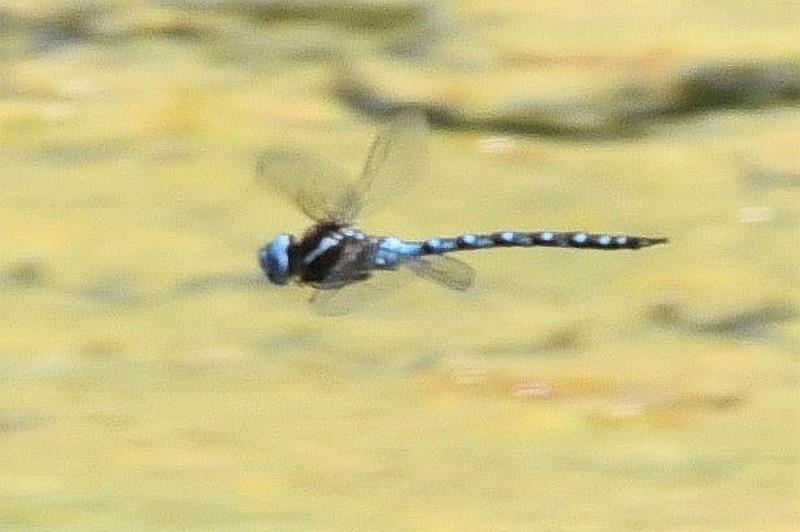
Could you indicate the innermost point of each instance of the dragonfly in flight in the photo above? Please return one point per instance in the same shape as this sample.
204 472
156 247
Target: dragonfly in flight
339 261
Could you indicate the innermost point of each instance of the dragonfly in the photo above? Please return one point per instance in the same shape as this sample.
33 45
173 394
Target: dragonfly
341 262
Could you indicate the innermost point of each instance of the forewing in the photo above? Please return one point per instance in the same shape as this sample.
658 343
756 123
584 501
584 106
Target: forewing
397 157
314 185
446 271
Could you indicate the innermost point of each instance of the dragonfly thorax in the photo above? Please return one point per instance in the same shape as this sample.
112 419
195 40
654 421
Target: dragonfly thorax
276 258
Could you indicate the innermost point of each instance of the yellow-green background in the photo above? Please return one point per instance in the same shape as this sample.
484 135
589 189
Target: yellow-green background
545 399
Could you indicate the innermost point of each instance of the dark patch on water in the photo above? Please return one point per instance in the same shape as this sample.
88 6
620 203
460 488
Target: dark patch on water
631 111
558 340
216 282
25 273
110 291
750 322
16 422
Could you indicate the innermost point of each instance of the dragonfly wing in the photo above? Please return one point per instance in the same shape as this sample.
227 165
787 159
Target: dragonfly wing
355 296
314 185
446 271
397 157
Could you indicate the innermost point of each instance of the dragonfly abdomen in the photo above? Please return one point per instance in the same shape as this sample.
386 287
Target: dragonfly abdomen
572 239
392 251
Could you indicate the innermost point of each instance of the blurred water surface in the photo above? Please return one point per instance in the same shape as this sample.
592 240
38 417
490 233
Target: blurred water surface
150 381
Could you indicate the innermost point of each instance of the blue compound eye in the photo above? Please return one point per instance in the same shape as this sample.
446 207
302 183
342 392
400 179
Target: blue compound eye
275 261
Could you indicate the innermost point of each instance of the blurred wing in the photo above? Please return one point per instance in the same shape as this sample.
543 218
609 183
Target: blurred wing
314 185
446 271
356 296
397 157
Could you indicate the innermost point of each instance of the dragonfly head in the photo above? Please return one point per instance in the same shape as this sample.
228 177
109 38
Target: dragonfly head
275 259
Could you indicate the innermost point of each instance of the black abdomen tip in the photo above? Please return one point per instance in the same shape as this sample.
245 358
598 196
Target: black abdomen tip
599 241
644 242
